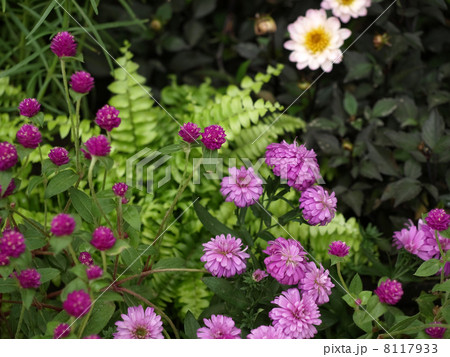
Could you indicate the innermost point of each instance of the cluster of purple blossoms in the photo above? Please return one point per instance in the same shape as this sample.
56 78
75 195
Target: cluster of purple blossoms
12 243
8 156
61 331
389 291
98 146
29 136
29 279
243 187
213 137
139 324
29 107
266 333
62 225
294 163
224 256
59 156
108 118
94 272
435 332
339 249
4 259
316 283
120 189
103 238
438 219
82 82
77 303
9 190
85 258
189 132
64 45
219 327
318 206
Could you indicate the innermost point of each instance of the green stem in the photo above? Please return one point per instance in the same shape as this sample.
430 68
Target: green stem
154 271
105 265
45 188
85 321
77 135
47 79
66 87
73 254
338 265
19 325
94 196
441 251
119 217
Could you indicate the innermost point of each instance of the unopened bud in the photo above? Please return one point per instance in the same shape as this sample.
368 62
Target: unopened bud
264 24
156 25
379 41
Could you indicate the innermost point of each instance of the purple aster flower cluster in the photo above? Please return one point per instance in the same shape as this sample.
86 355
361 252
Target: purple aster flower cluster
339 249
294 163
316 283
12 243
9 190
77 303
61 331
108 118
59 156
94 272
82 82
243 187
29 279
318 206
213 137
8 156
139 324
435 332
85 258
62 225
98 146
189 132
103 238
224 256
219 327
259 275
29 136
266 333
389 291
296 316
29 107
64 45
438 219
120 189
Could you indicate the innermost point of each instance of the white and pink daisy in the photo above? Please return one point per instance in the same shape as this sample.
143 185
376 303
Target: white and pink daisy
346 9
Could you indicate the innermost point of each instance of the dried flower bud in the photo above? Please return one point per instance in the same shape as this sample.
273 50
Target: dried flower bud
264 24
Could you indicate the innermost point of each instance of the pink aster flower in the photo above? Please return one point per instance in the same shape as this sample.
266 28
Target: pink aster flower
318 206
64 45
120 189
81 82
430 248
98 146
85 258
266 333
413 240
435 332
243 187
286 261
224 256
316 283
94 272
389 291
294 163
108 118
259 275
62 225
61 331
295 316
29 278
219 327
8 156
213 137
103 238
339 249
438 219
189 132
59 156
29 136
29 107
77 303
139 324
92 337
12 243
9 190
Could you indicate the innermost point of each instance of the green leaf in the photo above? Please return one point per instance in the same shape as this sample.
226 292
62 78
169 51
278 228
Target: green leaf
82 204
168 263
226 290
404 323
94 6
191 325
203 7
47 274
445 286
5 179
27 297
60 243
43 17
428 268
131 259
356 285
34 182
100 316
38 119
132 216
433 129
76 96
61 183
118 247
213 225
8 286
382 157
384 107
350 104
402 190
363 320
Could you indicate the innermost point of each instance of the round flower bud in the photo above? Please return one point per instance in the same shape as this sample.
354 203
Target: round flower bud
103 238
81 82
120 189
64 45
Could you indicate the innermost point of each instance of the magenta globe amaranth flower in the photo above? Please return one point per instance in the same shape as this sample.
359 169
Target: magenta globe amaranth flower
12 243
59 156
213 137
8 156
86 154
120 189
266 333
339 249
9 190
243 187
81 82
85 258
139 324
224 256
29 278
318 207
103 238
219 327
286 261
108 118
259 275
77 303
94 272
316 283
4 259
62 225
29 107
389 291
61 331
29 136
98 146
438 219
296 316
64 45
435 332
294 163
189 132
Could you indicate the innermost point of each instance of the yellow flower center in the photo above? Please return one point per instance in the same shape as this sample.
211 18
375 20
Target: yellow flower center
346 2
317 40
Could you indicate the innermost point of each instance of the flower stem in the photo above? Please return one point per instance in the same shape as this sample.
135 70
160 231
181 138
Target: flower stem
154 271
73 254
45 188
105 265
19 325
30 222
414 329
338 266
119 217
94 196
77 135
66 87
85 321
